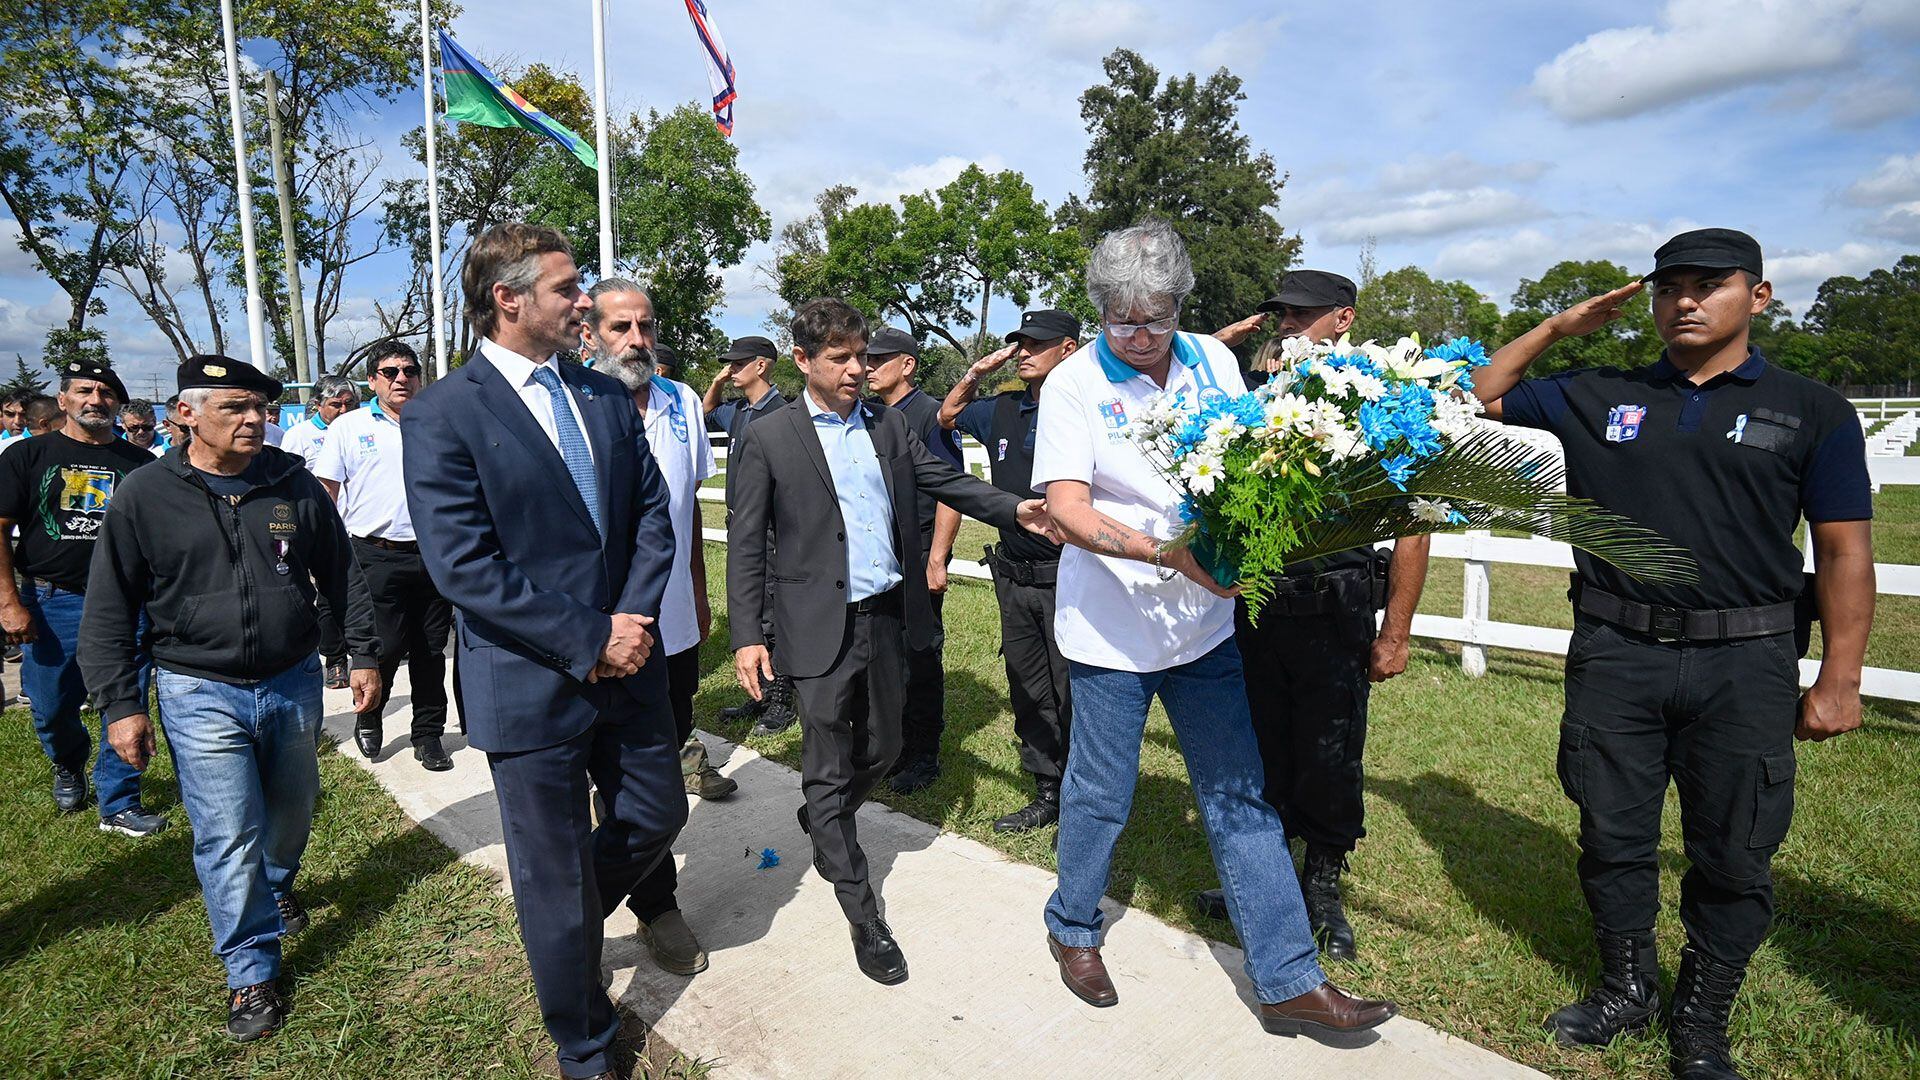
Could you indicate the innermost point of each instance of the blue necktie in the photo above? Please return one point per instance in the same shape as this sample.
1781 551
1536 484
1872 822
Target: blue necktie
573 444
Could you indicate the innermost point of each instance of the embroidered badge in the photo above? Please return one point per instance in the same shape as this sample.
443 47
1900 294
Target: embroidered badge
1739 431
1113 412
1623 422
1001 454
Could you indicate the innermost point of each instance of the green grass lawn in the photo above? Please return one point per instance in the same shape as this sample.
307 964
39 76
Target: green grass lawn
412 966
1464 894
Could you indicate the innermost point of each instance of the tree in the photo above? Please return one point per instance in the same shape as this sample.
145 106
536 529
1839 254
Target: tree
1176 151
932 261
1409 301
65 167
1629 342
24 379
1872 324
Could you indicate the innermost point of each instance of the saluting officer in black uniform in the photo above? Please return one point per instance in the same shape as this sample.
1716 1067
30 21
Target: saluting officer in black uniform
1315 654
1723 453
1024 565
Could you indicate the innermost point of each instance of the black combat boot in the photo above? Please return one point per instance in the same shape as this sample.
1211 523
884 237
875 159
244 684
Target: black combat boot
1044 810
1627 999
777 713
1697 1032
1326 914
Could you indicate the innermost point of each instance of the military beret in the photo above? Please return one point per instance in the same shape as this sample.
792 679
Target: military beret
95 370
226 373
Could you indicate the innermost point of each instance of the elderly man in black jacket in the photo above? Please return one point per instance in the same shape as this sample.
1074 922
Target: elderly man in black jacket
838 479
223 542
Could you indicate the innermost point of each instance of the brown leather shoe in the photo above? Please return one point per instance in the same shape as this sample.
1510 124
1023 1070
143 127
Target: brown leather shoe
1084 973
1327 1009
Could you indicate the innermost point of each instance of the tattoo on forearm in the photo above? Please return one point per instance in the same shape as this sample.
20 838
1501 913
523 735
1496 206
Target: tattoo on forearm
1107 543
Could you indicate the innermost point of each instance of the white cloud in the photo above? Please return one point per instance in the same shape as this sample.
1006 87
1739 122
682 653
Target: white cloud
1897 179
1699 48
1869 101
1423 172
1797 275
1900 223
1433 213
1243 49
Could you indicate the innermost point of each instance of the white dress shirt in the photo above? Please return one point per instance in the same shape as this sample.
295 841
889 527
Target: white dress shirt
518 371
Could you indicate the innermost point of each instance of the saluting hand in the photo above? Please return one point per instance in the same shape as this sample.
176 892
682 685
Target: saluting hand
1827 710
993 361
1234 333
1589 315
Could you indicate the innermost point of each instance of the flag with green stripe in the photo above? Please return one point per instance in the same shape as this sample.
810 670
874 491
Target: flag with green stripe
478 96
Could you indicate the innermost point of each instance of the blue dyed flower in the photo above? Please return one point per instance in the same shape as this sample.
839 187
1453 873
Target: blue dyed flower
1399 470
769 858
1466 352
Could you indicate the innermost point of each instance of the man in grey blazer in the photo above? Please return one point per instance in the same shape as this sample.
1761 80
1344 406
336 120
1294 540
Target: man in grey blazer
838 479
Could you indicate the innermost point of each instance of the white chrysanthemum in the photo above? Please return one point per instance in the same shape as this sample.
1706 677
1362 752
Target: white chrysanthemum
1345 444
1368 387
1432 511
1202 471
1289 412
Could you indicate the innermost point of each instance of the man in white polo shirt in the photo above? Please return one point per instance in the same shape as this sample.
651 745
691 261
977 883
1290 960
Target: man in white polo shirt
333 395
360 465
1135 621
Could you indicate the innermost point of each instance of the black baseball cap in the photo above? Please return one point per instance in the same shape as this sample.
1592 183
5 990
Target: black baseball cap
1046 324
1708 249
888 341
751 347
95 370
226 373
1311 289
664 356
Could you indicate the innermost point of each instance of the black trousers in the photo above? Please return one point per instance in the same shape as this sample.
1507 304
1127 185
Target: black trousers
850 736
654 896
568 877
1307 690
924 716
412 619
1036 676
1717 721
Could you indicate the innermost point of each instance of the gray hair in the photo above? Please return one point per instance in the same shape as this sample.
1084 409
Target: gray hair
1138 265
602 288
328 387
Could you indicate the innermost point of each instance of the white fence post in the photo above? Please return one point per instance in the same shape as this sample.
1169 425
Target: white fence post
1473 606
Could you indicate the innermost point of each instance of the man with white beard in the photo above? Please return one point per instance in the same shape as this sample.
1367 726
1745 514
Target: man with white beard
618 339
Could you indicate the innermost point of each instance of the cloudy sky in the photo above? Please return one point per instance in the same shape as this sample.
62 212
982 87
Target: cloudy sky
1483 146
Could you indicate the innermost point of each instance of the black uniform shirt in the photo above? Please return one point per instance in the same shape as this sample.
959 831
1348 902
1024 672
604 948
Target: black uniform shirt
733 416
1004 424
1725 469
923 419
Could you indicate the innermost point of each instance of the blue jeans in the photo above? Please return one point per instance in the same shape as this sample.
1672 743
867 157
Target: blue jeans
50 676
245 758
1207 701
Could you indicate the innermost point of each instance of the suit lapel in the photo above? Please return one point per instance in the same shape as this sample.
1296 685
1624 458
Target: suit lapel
504 402
810 441
882 444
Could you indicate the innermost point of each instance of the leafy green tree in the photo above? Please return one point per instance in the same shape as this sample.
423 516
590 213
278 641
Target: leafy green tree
1629 342
1410 301
1175 150
930 262
1872 324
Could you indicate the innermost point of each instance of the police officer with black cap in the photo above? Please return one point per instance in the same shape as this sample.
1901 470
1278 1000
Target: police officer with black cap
667 363
893 360
1697 683
1024 566
746 365
1313 657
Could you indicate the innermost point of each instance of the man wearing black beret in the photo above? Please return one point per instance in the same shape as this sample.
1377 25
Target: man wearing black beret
1696 684
223 542
56 489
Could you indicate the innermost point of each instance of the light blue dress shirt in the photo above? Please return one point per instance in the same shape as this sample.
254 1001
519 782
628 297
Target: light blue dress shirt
873 566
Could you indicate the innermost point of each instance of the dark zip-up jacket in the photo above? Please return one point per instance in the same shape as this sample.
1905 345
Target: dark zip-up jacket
228 584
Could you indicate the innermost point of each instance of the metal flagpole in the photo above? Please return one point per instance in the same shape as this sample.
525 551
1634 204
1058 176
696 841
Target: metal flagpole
433 199
243 189
600 136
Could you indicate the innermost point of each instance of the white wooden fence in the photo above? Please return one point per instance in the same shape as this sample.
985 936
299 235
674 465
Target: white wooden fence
1478 550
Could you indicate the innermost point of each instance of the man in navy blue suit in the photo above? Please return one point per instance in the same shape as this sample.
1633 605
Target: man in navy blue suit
542 517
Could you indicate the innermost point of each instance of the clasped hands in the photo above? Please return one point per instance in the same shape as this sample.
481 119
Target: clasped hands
628 645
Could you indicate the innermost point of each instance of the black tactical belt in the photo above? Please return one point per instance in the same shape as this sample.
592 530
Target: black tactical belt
1309 594
1684 624
1021 572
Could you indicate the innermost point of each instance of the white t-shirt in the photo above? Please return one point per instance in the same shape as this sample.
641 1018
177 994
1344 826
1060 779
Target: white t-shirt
677 435
362 455
1117 613
306 438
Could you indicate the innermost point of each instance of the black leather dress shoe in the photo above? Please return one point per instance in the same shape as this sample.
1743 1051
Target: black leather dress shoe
878 955
369 740
432 756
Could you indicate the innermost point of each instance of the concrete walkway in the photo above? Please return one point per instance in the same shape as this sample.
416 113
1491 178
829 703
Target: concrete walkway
784 999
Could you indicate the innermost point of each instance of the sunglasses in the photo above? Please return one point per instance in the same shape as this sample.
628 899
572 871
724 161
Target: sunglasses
136 427
411 371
